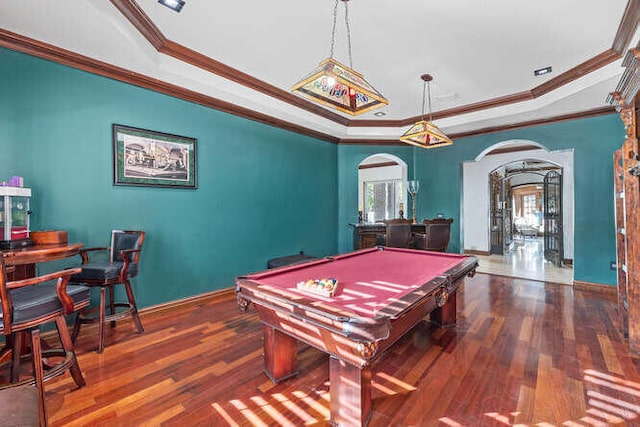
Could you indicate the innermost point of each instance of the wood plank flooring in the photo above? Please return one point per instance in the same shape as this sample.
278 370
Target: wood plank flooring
523 353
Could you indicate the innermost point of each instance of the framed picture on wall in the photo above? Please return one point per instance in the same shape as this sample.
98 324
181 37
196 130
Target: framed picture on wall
153 159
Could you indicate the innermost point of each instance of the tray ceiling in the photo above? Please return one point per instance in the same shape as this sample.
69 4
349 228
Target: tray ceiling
249 54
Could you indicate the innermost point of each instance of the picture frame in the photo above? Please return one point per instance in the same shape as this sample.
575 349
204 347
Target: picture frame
147 158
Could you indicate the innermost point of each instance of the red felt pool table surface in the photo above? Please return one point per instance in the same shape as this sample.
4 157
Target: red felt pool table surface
371 282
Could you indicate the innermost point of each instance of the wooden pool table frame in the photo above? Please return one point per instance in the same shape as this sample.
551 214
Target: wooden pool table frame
353 342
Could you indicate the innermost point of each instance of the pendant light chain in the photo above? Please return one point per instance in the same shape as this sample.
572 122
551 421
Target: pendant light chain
424 87
425 134
429 90
346 20
333 32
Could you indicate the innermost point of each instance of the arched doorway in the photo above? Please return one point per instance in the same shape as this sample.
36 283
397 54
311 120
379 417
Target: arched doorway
382 183
515 160
526 209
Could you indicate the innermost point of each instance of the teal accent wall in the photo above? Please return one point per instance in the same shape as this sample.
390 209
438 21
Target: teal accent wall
7 119
349 157
262 192
593 140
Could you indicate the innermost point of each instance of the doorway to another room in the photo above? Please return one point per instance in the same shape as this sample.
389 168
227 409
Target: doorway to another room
526 231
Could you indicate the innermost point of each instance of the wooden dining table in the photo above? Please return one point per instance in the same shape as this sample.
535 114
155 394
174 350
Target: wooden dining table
24 259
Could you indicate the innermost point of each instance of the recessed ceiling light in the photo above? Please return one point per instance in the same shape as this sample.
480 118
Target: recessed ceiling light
173 4
542 71
379 113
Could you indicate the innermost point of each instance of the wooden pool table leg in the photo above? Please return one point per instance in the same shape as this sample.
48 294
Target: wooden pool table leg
446 315
350 391
280 354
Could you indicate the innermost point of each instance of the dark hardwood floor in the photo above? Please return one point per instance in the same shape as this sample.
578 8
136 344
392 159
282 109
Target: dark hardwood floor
522 353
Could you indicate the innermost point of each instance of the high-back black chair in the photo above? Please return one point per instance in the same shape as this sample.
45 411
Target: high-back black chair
436 236
399 235
122 265
25 306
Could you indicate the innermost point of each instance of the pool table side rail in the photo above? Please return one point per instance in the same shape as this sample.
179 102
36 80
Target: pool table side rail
448 281
343 323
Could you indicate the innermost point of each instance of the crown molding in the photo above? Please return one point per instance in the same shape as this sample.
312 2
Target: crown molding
600 111
47 51
141 22
565 117
627 27
464 109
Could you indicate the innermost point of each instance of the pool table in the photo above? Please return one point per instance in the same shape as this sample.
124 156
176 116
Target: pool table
381 294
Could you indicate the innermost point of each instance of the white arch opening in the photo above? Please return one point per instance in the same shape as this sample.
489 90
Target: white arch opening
475 211
381 167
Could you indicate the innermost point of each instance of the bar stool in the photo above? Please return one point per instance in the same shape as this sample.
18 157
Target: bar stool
124 256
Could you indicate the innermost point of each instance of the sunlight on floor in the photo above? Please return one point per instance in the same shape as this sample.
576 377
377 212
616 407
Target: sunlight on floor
306 408
526 261
606 406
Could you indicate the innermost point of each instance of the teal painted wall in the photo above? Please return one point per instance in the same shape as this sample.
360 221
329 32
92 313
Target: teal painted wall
8 158
262 192
259 187
593 140
349 157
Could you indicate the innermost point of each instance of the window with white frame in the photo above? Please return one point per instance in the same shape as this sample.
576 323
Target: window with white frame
382 199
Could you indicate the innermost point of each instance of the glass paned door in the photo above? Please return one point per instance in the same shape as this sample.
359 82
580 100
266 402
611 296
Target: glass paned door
553 235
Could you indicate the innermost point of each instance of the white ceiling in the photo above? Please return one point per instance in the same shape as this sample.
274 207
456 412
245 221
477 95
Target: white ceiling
477 50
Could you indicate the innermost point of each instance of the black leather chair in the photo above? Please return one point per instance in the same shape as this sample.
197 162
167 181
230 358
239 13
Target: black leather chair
395 236
25 306
399 235
436 236
121 266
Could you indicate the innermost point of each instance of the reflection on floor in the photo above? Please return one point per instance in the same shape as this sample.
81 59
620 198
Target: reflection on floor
526 261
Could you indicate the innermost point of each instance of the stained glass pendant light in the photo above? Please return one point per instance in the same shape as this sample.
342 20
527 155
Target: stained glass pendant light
337 86
424 133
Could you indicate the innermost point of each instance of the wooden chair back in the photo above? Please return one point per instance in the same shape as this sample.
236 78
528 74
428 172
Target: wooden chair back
436 236
397 221
399 235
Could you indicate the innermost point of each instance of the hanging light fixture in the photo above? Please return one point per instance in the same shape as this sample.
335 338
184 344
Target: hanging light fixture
175 5
338 86
424 133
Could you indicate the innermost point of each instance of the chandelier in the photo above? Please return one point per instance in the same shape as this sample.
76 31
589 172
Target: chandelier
337 86
424 133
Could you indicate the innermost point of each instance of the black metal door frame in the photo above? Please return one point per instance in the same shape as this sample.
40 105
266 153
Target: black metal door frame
553 227
500 227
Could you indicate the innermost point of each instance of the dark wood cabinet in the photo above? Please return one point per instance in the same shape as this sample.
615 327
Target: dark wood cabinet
626 168
365 234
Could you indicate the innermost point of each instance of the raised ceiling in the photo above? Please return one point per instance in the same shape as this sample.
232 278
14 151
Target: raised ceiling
243 56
